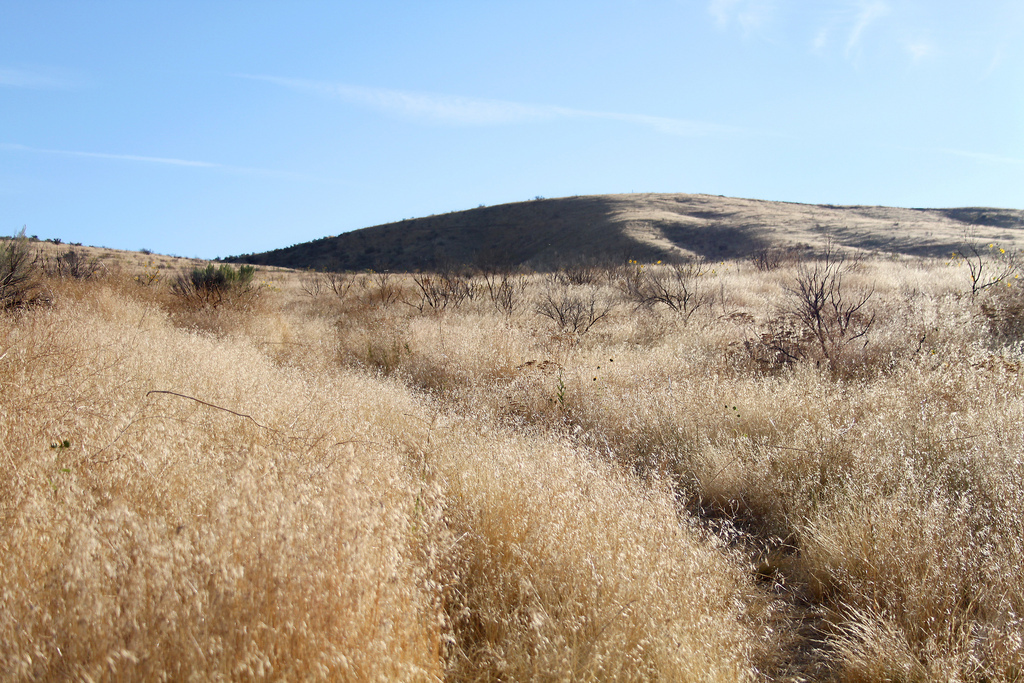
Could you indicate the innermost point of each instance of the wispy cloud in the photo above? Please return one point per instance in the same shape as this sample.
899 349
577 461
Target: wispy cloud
848 23
472 111
920 49
869 13
751 15
981 156
722 10
120 157
164 161
33 78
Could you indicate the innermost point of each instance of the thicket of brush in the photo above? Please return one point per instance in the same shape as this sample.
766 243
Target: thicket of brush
746 471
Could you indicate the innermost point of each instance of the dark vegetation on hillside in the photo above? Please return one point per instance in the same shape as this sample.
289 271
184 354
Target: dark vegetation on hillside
545 233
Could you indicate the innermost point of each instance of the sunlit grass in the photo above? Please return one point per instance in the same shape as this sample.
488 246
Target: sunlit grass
296 486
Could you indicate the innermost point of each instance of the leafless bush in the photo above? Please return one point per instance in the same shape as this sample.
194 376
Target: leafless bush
579 273
572 311
770 258
319 283
312 284
987 265
440 290
678 287
506 290
826 308
384 288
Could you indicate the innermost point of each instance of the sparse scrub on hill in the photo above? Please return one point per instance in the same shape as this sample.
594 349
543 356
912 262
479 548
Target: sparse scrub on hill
768 259
359 491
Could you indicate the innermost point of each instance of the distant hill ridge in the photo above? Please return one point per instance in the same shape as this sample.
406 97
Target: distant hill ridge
545 233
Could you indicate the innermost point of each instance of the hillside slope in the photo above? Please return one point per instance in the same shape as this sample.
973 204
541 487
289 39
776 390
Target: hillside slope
544 232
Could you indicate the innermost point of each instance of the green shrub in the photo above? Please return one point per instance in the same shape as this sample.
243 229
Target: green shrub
19 282
75 265
212 286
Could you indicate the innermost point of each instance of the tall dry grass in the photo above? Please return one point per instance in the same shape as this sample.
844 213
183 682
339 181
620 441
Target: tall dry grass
343 482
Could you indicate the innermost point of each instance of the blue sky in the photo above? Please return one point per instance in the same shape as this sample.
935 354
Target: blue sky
216 128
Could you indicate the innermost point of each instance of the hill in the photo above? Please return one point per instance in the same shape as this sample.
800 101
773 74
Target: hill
545 232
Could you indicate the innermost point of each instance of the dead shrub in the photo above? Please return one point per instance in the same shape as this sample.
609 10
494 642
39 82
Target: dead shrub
506 290
443 289
827 308
573 311
677 287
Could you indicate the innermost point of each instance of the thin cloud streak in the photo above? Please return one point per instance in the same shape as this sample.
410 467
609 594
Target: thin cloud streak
751 15
870 12
981 156
24 78
119 157
471 111
167 161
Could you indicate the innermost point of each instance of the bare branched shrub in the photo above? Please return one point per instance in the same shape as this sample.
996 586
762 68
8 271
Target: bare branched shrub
826 307
579 273
506 290
987 265
315 284
385 289
678 287
19 283
771 258
442 289
573 311
312 283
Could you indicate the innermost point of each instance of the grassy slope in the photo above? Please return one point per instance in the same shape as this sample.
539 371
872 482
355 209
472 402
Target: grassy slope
645 227
344 488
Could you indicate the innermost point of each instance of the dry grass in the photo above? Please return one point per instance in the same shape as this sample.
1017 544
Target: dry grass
349 486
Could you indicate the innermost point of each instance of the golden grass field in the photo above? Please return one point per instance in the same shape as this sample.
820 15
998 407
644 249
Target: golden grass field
375 477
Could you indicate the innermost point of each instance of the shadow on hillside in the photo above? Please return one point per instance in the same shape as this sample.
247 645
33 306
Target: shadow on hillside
544 234
716 241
